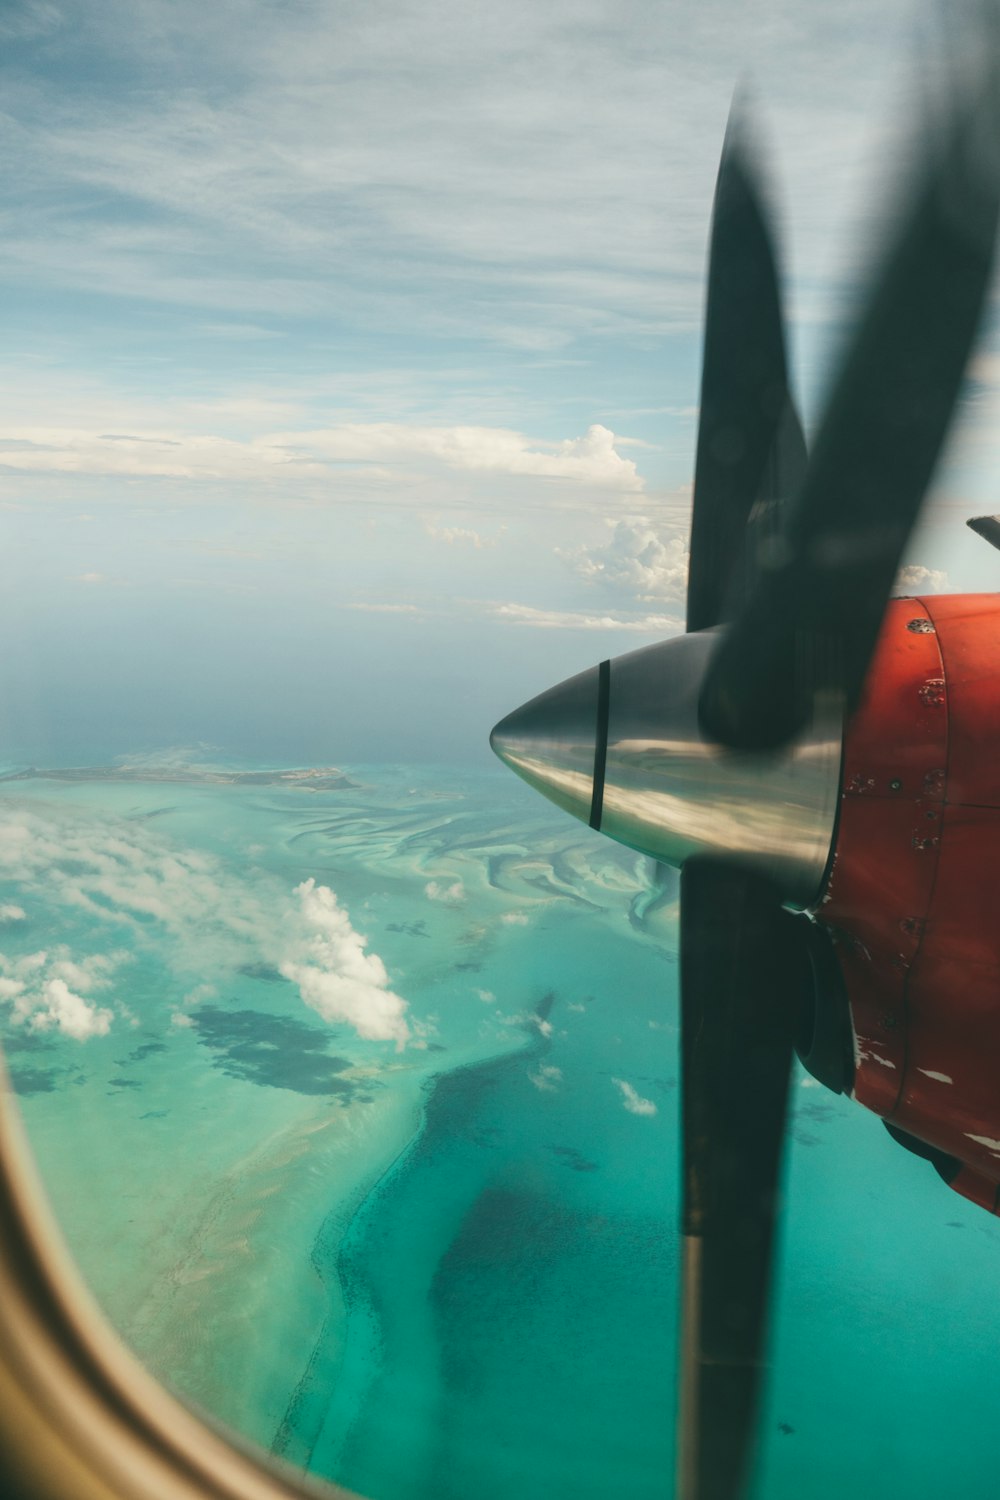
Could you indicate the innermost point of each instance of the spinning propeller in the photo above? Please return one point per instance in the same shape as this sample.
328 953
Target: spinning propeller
718 751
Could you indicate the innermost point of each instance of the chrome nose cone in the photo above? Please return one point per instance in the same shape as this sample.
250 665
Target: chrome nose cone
621 748
553 740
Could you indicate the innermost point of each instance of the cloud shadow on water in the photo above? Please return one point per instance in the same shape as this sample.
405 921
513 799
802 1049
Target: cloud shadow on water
33 1080
276 1052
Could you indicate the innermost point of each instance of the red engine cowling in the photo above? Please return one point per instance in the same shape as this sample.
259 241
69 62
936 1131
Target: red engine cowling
913 897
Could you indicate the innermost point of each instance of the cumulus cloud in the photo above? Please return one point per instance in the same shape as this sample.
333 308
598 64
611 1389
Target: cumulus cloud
515 918
637 560
634 1102
451 895
11 913
69 1013
37 987
914 577
338 978
145 890
546 1078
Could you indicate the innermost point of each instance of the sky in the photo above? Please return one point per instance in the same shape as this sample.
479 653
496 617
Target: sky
351 356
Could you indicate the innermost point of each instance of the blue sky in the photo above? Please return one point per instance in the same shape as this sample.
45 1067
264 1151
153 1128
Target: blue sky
351 354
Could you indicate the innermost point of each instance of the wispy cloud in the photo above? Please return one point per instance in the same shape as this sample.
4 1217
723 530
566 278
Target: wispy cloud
461 535
591 460
518 163
385 608
554 619
526 616
450 895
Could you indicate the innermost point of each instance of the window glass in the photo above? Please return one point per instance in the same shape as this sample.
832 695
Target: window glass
350 397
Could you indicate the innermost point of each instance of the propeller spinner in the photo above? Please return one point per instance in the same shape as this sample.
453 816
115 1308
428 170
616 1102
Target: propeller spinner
719 752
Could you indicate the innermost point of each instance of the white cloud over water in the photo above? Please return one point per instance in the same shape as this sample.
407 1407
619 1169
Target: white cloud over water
547 1078
632 1100
451 895
337 977
202 919
37 988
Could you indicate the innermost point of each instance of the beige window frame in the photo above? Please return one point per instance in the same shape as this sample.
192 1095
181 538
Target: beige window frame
80 1418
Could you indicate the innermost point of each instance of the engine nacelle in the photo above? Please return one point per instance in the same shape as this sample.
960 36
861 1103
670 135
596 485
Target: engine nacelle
912 895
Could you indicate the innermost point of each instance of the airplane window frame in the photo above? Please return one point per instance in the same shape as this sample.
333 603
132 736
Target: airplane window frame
80 1416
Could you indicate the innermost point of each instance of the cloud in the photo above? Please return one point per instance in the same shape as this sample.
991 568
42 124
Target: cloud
69 1013
515 918
460 534
370 450
591 459
204 920
11 913
29 19
638 561
338 978
387 609
37 987
915 577
543 216
634 1102
546 1078
451 895
565 619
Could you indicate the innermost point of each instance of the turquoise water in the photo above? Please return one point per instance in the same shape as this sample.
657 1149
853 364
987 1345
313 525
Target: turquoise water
442 1265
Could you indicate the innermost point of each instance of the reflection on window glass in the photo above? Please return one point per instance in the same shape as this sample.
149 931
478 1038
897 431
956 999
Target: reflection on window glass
349 398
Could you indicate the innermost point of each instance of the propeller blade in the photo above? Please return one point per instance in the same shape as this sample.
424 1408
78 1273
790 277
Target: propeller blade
751 453
809 627
988 527
743 969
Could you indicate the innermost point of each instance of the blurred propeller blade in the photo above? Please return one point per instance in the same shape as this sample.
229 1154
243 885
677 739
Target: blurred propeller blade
743 971
988 527
751 453
810 624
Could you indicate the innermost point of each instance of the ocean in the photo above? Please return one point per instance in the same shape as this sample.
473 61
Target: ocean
386 1178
